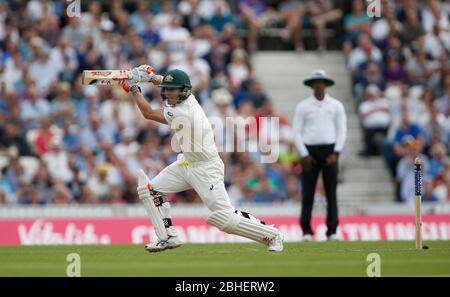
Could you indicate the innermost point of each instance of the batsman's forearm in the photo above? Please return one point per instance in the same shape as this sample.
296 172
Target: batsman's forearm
148 113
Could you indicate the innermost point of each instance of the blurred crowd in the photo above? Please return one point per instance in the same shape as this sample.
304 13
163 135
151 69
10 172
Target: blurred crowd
401 73
65 143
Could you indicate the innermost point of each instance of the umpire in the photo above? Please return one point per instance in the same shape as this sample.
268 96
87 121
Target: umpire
320 130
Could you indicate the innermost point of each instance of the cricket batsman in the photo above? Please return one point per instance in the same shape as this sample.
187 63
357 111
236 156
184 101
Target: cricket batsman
198 167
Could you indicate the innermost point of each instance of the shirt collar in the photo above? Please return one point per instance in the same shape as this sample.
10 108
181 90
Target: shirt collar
317 102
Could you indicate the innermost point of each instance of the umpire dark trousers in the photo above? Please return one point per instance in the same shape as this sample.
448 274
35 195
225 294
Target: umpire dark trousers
309 181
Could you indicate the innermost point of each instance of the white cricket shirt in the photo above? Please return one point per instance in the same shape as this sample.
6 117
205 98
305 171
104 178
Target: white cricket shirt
193 131
319 122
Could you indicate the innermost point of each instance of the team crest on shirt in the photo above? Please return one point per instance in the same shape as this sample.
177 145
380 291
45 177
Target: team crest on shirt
170 114
168 78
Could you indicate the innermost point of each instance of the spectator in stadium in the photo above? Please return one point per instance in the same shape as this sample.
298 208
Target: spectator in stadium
127 147
444 101
394 73
437 41
255 94
138 19
14 172
221 16
413 29
441 191
117 113
189 11
71 138
400 149
33 108
27 194
61 194
438 154
11 136
291 12
42 64
435 13
13 66
57 161
175 39
6 189
95 134
238 69
365 52
101 182
256 15
403 103
354 23
375 115
387 25
419 68
370 75
433 125
322 13
62 107
220 111
197 68
293 188
43 182
44 135
264 188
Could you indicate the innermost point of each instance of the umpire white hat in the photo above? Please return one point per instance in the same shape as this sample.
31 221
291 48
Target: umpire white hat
318 74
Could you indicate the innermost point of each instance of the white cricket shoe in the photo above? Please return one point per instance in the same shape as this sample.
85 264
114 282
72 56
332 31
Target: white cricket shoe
307 238
276 245
333 237
171 242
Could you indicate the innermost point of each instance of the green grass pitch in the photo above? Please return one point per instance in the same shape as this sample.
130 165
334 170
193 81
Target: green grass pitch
398 258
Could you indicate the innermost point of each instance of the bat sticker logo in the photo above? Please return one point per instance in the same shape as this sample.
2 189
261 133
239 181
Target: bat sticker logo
101 73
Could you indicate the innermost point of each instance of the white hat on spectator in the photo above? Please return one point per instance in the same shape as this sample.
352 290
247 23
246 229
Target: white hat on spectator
128 133
56 142
393 92
221 96
416 92
106 25
446 161
373 89
13 152
90 91
239 53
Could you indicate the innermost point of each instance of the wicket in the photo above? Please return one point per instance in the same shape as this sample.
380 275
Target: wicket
418 193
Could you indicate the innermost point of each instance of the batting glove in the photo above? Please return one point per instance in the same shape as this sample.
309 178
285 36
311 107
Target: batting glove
129 86
143 73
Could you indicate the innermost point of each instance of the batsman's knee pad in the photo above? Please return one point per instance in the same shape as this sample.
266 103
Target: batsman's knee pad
245 226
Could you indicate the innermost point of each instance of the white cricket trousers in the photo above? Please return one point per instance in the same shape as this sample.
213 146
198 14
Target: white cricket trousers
205 177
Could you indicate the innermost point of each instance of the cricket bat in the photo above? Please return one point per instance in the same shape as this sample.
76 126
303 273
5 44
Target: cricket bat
104 77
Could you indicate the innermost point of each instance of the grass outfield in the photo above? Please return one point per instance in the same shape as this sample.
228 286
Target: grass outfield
398 258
